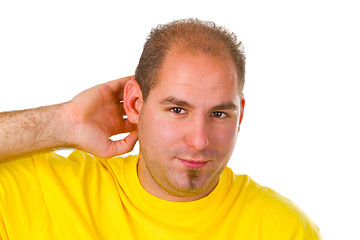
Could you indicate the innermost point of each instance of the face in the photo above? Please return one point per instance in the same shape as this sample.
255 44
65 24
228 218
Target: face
188 126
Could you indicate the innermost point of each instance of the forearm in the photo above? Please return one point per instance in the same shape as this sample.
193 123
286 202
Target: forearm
86 122
31 130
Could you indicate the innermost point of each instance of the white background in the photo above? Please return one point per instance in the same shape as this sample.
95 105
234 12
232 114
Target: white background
300 133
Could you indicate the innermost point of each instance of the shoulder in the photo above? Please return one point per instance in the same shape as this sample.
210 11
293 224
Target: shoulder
273 211
17 174
42 165
288 216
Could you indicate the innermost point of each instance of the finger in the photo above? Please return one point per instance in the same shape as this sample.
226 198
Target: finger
119 96
119 84
121 108
129 127
126 127
122 146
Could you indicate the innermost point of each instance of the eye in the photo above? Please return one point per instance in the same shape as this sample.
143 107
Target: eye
219 114
177 110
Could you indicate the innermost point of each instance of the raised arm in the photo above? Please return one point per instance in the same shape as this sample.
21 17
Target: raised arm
86 122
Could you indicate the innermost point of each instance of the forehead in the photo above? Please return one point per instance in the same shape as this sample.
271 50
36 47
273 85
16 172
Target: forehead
199 78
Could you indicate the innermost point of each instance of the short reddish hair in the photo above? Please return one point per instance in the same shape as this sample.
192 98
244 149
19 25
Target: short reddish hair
191 36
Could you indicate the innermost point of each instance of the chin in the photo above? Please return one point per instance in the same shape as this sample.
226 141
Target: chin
190 185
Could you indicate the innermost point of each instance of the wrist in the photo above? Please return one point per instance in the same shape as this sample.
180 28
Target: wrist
65 131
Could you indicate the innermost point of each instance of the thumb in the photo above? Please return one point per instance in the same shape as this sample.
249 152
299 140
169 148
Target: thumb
122 146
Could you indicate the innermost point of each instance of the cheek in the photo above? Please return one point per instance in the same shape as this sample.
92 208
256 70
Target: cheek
224 136
159 131
170 131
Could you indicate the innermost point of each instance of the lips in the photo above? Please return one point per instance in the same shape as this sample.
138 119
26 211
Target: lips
190 163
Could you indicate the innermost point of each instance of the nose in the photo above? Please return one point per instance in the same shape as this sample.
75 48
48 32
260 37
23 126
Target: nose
197 134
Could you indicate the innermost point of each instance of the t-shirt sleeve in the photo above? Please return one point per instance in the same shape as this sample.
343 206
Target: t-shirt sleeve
39 191
20 194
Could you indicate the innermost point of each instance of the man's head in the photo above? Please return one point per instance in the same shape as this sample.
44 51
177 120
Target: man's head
190 36
189 118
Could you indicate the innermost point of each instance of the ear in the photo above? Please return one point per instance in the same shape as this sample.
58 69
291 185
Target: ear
132 101
241 109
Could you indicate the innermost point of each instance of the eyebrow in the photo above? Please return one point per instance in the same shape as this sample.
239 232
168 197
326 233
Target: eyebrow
175 101
225 106
181 103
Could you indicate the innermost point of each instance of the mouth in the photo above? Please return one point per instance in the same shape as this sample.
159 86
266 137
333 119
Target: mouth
191 163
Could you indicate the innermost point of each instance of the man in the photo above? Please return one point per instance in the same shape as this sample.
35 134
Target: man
185 108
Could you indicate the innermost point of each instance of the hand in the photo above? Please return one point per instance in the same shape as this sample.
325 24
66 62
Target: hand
96 114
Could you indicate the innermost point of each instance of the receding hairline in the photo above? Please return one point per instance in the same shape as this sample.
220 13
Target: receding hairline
177 50
190 36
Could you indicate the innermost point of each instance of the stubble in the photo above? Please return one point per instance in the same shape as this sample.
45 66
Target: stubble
193 175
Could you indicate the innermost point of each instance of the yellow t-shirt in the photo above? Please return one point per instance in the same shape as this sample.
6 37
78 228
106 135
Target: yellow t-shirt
46 196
